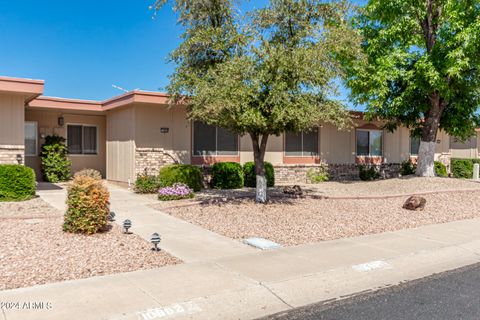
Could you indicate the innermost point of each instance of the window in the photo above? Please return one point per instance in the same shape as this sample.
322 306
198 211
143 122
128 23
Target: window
302 144
369 142
31 139
213 141
81 139
414 145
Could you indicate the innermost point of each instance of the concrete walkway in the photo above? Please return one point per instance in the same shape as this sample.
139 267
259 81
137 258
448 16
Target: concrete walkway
237 282
260 283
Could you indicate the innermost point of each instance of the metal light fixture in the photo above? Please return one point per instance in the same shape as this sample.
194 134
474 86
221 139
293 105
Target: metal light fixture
127 224
61 121
19 158
155 240
111 216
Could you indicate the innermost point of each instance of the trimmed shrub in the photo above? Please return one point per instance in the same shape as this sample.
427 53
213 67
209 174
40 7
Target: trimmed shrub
368 173
463 168
408 168
55 164
227 175
92 173
146 183
318 175
250 177
17 182
178 191
440 169
87 206
181 173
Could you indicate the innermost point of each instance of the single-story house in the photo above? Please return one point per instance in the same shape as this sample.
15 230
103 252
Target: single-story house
137 131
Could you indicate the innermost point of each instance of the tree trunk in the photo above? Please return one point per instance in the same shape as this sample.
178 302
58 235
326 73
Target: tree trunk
426 153
259 147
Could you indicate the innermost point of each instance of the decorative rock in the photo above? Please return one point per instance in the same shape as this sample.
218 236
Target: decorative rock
415 203
294 191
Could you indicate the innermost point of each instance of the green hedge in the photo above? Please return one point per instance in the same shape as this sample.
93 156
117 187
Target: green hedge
250 176
181 173
463 168
440 169
17 182
227 175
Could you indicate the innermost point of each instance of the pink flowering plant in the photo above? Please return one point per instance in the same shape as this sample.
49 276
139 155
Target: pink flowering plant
176 192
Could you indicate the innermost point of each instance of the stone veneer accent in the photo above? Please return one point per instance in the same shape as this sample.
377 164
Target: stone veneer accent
8 154
290 174
150 160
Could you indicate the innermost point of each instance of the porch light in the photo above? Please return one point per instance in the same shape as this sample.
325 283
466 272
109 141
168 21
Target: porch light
111 216
127 224
61 121
19 158
155 240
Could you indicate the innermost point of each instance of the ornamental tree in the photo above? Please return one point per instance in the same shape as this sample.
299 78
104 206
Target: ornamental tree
420 67
261 73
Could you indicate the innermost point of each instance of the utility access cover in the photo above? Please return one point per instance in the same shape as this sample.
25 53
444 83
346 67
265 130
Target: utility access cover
262 243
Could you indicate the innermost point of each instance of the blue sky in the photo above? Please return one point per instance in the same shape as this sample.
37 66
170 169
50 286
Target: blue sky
81 48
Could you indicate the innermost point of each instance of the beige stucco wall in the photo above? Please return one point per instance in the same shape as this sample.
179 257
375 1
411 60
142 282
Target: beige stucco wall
11 128
47 124
149 119
121 144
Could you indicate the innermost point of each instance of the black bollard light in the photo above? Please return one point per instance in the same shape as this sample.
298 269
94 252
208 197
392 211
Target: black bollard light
127 224
155 240
111 216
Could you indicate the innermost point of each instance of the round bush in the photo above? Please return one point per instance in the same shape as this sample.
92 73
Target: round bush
227 175
250 177
147 184
87 206
17 182
440 169
181 173
408 168
92 173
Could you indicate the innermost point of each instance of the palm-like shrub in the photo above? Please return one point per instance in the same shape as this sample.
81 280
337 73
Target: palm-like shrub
55 164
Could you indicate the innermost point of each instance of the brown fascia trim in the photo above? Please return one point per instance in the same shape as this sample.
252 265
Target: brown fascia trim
30 87
97 106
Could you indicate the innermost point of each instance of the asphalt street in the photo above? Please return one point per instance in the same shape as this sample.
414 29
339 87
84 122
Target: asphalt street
447 296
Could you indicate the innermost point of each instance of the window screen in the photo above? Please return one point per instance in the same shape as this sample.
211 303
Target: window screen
375 143
301 144
31 139
414 145
210 140
81 139
89 140
74 139
362 143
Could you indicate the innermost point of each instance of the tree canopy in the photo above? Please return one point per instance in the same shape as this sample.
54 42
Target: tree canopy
420 65
263 72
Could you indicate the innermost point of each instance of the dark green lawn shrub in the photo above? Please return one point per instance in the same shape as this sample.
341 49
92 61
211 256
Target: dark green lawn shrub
55 164
440 169
408 168
250 177
146 183
462 168
87 206
181 173
368 173
227 175
17 182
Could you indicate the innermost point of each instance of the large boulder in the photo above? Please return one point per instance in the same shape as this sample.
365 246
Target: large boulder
415 203
294 191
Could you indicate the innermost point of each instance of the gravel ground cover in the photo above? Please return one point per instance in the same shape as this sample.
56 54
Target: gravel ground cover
297 221
34 249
